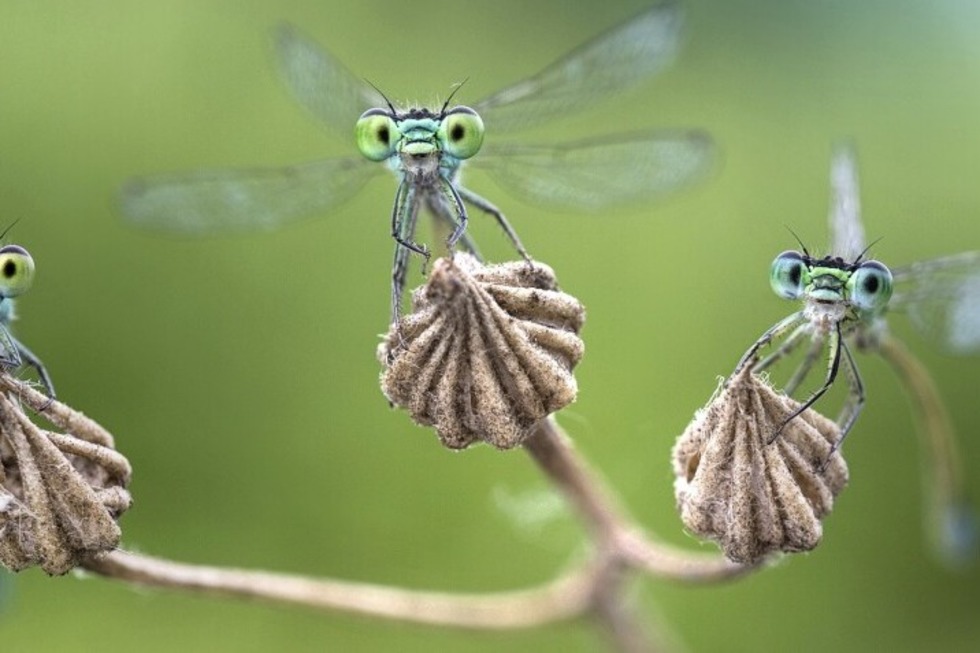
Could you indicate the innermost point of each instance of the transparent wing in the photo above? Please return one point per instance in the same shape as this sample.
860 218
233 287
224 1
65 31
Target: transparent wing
593 174
214 201
846 230
942 299
320 82
613 61
221 201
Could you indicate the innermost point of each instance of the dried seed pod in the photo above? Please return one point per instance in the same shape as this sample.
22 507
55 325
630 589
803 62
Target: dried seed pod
751 497
486 352
60 493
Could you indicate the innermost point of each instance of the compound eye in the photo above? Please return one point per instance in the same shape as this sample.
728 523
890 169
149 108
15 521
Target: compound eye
16 270
786 276
376 133
461 132
870 286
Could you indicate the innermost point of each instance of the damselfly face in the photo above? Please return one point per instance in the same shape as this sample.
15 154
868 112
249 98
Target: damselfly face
418 142
425 148
832 290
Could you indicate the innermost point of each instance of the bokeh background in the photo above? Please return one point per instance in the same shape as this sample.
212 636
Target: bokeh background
239 375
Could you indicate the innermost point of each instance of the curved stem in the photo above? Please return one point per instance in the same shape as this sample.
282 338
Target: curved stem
554 453
664 561
608 523
625 628
558 600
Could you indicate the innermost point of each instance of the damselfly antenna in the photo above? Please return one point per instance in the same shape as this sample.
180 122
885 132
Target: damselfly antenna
445 105
381 93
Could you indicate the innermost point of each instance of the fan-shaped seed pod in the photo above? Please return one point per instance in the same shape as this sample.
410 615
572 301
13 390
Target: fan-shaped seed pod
60 493
751 496
486 352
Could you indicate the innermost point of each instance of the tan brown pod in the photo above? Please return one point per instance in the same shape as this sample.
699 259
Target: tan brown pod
750 493
486 352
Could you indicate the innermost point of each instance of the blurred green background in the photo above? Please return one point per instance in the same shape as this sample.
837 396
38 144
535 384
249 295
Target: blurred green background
239 376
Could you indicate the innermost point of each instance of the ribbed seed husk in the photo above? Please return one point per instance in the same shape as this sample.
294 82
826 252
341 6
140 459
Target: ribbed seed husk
486 352
60 493
750 496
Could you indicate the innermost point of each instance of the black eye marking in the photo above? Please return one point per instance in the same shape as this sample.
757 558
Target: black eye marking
795 273
871 284
9 269
457 132
384 135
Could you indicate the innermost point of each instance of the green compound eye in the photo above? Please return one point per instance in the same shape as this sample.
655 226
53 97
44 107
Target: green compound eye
871 286
16 270
461 132
786 275
376 133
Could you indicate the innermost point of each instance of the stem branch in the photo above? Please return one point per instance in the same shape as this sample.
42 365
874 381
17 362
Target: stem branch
561 599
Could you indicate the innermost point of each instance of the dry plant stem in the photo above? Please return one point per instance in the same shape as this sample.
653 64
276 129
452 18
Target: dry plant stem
662 561
626 629
619 542
592 588
564 598
552 450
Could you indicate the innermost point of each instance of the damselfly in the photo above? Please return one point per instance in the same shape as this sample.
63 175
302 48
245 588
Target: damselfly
425 148
845 298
